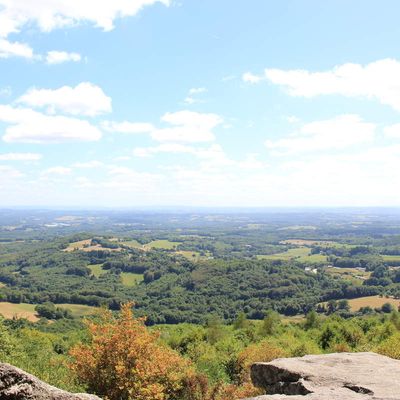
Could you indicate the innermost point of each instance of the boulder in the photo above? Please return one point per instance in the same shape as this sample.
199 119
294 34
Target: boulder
336 376
16 384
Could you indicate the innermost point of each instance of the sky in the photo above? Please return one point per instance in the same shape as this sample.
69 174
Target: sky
245 103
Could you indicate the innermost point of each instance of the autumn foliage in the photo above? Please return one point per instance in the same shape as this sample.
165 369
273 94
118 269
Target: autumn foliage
257 352
124 360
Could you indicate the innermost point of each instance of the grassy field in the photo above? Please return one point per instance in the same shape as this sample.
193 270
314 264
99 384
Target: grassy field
190 255
128 278
97 269
85 245
395 259
155 244
162 244
23 310
299 254
133 243
308 242
131 279
372 301
353 275
79 310
80 245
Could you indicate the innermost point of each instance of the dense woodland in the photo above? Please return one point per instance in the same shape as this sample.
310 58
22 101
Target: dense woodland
211 293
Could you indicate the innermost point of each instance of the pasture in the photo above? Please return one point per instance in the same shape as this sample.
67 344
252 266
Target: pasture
86 245
162 244
390 258
132 243
24 310
299 254
354 275
97 269
131 279
372 301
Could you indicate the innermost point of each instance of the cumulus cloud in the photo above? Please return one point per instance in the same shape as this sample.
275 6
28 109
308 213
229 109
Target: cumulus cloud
174 148
197 90
378 80
187 126
128 179
127 127
88 164
184 127
50 15
29 126
192 95
83 99
337 133
20 156
392 131
57 171
251 78
8 173
59 57
14 49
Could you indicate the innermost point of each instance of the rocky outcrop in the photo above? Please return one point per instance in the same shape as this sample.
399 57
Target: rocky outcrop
16 384
337 376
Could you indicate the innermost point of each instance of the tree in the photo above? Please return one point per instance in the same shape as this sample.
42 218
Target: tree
343 305
271 323
387 308
312 320
124 360
241 321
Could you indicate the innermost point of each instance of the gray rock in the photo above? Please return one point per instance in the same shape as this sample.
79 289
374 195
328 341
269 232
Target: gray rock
336 376
16 384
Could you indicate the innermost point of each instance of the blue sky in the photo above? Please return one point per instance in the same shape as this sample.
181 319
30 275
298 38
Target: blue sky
130 103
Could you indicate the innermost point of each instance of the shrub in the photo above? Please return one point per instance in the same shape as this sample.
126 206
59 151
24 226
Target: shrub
124 360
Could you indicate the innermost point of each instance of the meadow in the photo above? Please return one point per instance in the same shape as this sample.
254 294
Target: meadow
24 310
302 254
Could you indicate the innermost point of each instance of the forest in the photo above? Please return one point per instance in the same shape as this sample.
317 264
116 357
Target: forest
207 293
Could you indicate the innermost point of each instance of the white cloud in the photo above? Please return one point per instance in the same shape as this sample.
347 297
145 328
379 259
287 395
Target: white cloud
59 57
333 134
50 15
187 126
88 164
190 100
28 126
83 99
392 131
174 148
8 173
57 171
127 127
292 119
193 92
14 49
127 179
210 158
6 91
199 90
377 80
251 78
251 162
20 157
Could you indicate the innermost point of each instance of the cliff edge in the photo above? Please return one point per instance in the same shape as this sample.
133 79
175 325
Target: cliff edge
337 376
16 384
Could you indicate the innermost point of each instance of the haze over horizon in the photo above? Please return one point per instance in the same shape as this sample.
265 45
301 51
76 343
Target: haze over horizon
161 103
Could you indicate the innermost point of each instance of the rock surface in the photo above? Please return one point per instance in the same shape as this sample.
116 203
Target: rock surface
17 384
329 377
